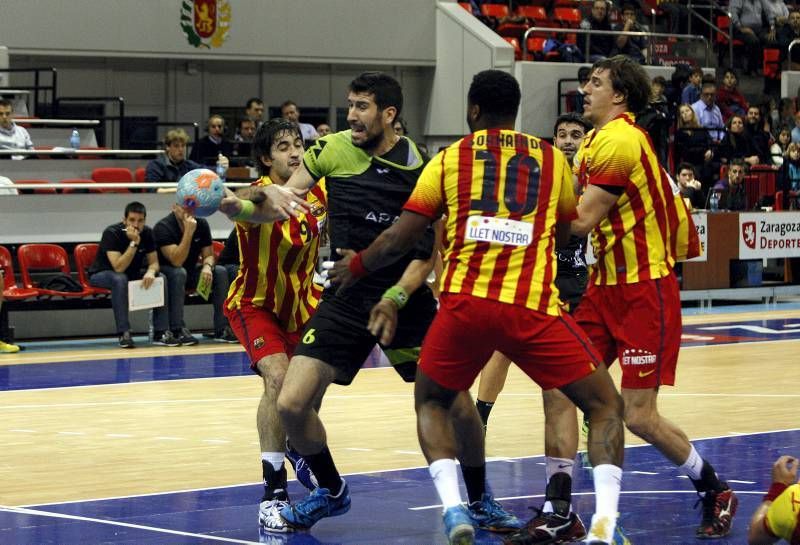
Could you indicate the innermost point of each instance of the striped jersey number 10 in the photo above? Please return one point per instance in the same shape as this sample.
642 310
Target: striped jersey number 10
488 201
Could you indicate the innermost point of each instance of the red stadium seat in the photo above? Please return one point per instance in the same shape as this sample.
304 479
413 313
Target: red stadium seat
515 43
139 175
536 45
69 181
113 175
466 6
534 14
84 257
39 191
45 258
724 23
568 17
90 157
497 11
11 291
772 63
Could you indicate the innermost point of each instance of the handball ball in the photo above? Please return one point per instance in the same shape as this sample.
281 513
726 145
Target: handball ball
200 191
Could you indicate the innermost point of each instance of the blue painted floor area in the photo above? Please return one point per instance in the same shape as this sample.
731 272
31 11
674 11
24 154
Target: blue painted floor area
399 507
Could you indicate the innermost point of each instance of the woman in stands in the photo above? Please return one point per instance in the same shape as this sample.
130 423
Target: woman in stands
736 144
693 143
779 148
788 179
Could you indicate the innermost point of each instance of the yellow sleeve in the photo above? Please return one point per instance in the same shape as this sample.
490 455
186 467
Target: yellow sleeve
781 518
428 198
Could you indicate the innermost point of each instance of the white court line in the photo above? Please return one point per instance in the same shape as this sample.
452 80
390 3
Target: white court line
36 512
642 472
23 431
203 489
622 492
71 433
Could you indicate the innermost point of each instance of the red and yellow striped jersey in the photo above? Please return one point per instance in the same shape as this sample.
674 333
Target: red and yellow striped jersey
502 192
640 237
277 262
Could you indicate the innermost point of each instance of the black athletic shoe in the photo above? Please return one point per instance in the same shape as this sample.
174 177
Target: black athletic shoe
185 338
125 340
226 336
165 338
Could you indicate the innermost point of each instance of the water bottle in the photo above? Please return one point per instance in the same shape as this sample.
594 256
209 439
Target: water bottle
75 139
221 170
713 201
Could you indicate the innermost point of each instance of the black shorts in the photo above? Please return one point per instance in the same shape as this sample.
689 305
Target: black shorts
337 334
571 288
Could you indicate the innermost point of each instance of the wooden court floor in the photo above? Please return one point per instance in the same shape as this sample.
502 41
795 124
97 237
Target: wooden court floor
88 442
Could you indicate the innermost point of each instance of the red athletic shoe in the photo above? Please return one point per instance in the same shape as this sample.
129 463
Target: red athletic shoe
718 511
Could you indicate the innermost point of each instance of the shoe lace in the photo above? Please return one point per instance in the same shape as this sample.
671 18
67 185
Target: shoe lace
709 506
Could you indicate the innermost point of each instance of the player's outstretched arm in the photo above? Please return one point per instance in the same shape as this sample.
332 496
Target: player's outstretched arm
391 245
784 474
266 205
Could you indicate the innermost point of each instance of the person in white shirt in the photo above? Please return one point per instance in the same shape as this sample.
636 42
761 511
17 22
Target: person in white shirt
290 111
12 136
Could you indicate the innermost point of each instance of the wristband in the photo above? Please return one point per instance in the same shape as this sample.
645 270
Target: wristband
775 490
356 267
397 295
248 209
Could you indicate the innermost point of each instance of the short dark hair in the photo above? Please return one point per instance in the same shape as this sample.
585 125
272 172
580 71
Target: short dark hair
251 101
288 103
630 6
629 78
136 207
5 102
740 162
709 78
265 137
685 166
246 119
697 71
496 93
584 73
572 117
386 89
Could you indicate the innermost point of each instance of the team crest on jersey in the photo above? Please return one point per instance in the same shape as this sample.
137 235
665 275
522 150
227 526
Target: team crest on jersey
205 22
258 342
317 209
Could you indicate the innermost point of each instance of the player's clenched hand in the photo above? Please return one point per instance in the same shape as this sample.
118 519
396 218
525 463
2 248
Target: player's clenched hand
383 321
338 272
784 470
230 204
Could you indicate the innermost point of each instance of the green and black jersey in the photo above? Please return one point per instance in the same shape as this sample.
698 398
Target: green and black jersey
366 195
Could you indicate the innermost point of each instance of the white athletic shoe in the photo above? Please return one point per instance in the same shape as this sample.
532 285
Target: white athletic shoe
269 517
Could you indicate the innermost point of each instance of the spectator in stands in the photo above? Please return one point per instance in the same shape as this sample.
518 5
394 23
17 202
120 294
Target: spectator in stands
128 252
12 136
788 179
678 17
707 112
731 188
655 118
290 111
729 99
600 46
207 150
777 14
693 145
747 25
632 46
691 91
229 256
778 150
323 129
246 130
5 188
173 164
186 258
736 144
574 99
6 346
690 187
755 133
254 109
400 127
786 35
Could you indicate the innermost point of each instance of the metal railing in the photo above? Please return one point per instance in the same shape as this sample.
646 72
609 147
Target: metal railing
119 118
589 33
37 86
789 50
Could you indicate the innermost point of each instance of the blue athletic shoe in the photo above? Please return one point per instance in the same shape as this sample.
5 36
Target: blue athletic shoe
458 526
487 514
316 506
303 473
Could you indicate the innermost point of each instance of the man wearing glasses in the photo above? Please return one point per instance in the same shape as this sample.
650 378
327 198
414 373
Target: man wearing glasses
207 150
708 113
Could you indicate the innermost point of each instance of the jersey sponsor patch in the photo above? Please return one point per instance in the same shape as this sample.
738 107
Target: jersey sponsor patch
499 230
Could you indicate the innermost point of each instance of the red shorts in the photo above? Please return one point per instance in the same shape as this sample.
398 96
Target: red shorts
552 350
638 323
260 333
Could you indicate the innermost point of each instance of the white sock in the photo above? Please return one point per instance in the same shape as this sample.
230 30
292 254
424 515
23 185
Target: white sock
445 478
693 465
274 458
552 466
607 482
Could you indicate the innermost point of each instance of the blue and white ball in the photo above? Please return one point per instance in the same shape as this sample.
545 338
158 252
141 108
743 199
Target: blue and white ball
200 191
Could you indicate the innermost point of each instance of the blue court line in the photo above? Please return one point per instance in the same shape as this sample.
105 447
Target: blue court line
656 506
